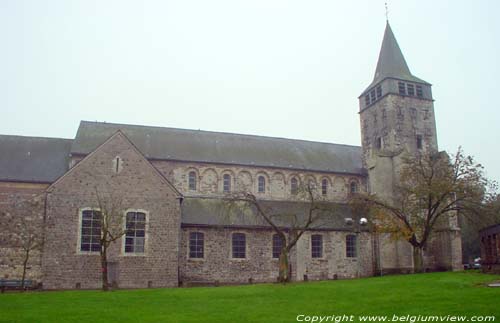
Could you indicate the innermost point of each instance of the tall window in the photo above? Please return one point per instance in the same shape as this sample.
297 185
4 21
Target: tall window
420 93
192 181
294 186
317 246
262 184
239 245
324 187
196 245
402 88
379 91
411 89
227 183
90 234
419 142
277 245
350 246
354 187
136 232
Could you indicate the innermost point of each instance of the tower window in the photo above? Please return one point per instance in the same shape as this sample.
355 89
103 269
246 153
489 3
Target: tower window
378 143
372 95
402 88
419 142
367 100
411 89
420 93
379 91
192 181
227 183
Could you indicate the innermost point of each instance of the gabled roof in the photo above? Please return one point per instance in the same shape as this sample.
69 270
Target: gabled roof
218 213
391 62
225 148
33 159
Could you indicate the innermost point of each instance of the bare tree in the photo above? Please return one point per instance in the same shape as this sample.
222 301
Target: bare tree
289 226
112 226
22 224
431 186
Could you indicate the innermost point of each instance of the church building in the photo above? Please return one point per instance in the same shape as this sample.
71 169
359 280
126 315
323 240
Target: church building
171 187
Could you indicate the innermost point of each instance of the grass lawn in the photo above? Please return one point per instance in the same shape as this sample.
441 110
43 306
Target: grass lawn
460 293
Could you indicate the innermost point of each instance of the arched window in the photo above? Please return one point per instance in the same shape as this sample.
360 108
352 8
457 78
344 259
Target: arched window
135 235
227 183
277 245
294 186
262 184
350 246
192 181
324 187
354 187
239 245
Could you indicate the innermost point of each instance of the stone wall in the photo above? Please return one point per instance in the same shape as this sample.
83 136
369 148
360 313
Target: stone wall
135 186
21 211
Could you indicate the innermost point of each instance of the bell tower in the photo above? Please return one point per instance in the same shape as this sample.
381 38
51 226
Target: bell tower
397 115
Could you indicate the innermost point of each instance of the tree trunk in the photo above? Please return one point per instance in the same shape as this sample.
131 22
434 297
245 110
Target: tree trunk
25 264
418 259
284 269
104 268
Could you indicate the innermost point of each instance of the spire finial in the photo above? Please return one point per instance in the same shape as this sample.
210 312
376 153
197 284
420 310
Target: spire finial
386 12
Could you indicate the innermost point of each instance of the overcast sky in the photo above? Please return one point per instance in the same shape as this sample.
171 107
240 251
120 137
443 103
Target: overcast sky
285 68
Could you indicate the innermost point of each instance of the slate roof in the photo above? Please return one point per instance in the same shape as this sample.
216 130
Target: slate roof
391 62
217 212
33 159
226 148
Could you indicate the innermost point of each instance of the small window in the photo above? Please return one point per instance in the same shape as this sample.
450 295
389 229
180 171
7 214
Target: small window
372 95
379 92
90 234
192 181
378 143
402 88
420 93
411 89
239 245
324 187
294 186
277 245
367 100
419 142
136 232
227 183
350 246
262 184
196 244
317 246
353 187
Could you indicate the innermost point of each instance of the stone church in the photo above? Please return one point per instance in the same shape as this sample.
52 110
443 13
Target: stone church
171 185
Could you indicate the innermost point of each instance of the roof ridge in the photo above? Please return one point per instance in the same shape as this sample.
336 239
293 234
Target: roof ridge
36 137
218 132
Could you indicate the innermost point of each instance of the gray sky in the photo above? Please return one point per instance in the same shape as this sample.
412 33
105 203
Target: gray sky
268 67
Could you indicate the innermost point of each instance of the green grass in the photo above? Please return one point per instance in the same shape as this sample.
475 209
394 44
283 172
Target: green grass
425 294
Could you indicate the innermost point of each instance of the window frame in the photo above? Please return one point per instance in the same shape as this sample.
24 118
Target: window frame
124 238
294 186
321 247
351 246
192 180
202 245
228 184
79 240
233 246
274 246
261 184
354 184
324 187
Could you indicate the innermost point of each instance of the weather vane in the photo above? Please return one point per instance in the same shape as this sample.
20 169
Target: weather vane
386 12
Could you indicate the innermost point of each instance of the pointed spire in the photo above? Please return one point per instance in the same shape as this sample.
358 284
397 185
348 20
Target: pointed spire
391 62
